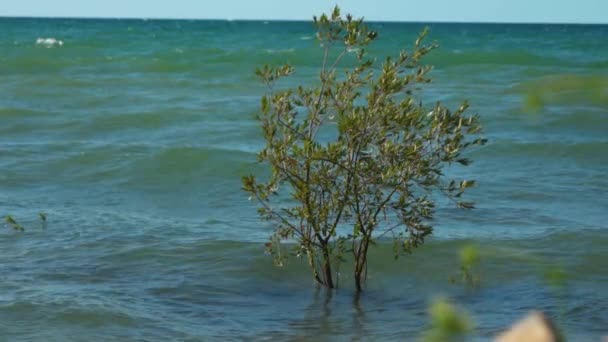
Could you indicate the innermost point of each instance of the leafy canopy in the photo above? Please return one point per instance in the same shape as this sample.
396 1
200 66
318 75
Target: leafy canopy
358 156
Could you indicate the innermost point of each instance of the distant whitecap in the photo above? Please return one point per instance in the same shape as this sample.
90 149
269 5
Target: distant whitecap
49 42
273 51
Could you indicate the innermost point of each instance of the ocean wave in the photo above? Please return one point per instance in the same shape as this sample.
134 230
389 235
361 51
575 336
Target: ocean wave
19 113
196 159
565 89
273 51
587 151
527 251
460 57
124 121
49 42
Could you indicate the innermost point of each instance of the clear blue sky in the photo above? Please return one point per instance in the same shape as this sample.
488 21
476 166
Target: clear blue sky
569 11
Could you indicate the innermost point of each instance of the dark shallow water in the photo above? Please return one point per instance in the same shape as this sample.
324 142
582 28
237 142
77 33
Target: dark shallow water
133 135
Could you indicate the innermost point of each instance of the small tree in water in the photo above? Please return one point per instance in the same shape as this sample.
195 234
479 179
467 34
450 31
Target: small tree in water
359 156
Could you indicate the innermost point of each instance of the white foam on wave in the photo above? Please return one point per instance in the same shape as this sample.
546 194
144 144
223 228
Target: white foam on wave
273 51
49 42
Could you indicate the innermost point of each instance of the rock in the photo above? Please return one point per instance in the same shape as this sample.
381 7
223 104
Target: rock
536 327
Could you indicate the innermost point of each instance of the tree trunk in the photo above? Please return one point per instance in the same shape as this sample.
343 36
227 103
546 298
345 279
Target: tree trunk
326 271
361 264
329 281
358 283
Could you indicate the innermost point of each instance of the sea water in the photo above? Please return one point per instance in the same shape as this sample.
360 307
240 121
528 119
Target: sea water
132 137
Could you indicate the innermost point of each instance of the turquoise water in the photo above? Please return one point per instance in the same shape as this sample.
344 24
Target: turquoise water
132 137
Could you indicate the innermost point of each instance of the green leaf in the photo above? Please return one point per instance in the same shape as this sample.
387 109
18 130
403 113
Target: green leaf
336 13
265 105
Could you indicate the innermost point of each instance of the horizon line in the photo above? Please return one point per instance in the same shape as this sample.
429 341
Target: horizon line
303 20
